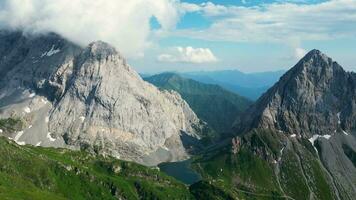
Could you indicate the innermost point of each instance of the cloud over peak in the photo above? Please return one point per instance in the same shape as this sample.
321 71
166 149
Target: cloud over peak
125 24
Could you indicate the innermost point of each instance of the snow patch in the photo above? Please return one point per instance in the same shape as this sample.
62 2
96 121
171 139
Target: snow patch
82 118
315 137
49 136
20 143
44 101
312 139
32 95
27 109
338 118
326 136
293 135
1 130
30 126
165 148
281 153
38 144
51 52
345 132
47 119
19 134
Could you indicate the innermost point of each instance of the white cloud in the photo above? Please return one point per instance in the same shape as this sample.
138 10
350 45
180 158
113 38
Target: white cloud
207 8
278 22
123 23
189 55
299 53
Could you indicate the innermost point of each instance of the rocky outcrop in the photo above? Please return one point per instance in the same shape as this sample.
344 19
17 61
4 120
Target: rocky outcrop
315 97
315 101
90 98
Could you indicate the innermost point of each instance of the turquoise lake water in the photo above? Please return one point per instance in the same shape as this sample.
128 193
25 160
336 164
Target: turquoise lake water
181 171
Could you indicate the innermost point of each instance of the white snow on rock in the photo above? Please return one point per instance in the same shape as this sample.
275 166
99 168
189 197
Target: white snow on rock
82 118
345 132
281 152
44 100
20 143
32 95
338 118
27 109
19 134
47 119
165 148
49 136
293 135
1 130
326 136
312 139
51 52
315 137
38 144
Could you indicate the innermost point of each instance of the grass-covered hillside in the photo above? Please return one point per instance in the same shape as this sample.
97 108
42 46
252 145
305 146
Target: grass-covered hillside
28 172
213 104
266 165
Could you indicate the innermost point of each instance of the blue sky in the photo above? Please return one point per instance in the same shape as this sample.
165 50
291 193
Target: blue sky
227 30
191 35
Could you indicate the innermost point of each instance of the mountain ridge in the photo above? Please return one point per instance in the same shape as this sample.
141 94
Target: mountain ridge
296 141
90 98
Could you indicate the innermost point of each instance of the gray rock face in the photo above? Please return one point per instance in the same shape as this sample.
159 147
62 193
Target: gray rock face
315 100
315 97
90 99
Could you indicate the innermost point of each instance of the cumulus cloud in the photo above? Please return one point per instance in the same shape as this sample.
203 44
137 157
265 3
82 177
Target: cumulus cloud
189 55
123 23
278 22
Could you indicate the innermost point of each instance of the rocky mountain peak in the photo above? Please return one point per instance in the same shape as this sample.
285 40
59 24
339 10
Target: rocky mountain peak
316 96
315 66
90 98
101 49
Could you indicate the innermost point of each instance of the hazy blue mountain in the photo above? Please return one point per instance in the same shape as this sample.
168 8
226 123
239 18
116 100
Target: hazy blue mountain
212 103
250 85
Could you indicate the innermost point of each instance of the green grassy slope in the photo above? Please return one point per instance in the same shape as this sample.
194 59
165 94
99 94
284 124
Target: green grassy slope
28 172
213 104
262 170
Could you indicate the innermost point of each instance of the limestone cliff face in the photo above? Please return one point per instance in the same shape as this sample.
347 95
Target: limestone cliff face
90 99
315 97
313 104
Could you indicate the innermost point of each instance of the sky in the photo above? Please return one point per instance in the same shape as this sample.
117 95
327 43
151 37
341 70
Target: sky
195 35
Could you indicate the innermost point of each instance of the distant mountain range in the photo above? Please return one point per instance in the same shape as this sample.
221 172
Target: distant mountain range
250 85
212 103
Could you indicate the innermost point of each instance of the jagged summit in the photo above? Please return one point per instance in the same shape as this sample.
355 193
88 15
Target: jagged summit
317 63
90 98
307 99
312 107
101 49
